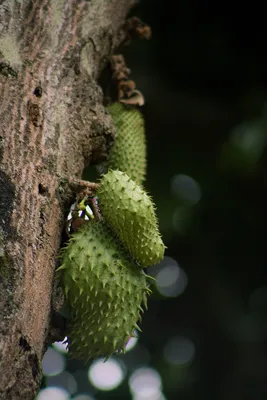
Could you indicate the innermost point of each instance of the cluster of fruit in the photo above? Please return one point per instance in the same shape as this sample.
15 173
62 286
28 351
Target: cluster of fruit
103 263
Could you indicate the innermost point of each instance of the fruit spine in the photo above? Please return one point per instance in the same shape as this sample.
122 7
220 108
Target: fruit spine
104 290
128 153
131 214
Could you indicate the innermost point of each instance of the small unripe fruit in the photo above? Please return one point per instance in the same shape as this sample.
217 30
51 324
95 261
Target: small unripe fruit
131 214
104 290
128 153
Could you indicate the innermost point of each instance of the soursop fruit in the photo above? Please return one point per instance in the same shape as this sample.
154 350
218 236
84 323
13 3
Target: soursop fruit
128 153
104 290
131 214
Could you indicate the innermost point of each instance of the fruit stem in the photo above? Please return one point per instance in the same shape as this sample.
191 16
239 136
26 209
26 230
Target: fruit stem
78 185
95 208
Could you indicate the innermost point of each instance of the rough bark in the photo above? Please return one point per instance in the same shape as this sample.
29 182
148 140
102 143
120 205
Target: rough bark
52 125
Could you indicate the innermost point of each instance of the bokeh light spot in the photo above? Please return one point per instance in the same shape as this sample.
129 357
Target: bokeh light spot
83 397
179 351
250 137
158 396
106 376
145 383
53 393
168 275
185 188
53 362
171 280
166 262
65 380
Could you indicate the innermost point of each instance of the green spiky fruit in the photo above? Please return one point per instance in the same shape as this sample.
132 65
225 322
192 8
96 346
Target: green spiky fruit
128 153
104 290
131 214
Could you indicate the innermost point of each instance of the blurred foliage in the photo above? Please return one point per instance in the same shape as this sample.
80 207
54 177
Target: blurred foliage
203 74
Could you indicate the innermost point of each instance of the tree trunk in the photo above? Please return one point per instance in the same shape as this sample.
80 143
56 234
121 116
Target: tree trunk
53 124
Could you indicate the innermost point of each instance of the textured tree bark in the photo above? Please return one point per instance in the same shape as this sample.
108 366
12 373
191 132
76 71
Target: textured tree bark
52 125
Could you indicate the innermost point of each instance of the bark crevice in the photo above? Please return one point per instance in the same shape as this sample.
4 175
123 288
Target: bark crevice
53 124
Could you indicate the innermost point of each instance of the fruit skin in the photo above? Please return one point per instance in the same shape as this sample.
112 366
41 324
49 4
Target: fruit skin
104 290
131 214
128 153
